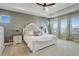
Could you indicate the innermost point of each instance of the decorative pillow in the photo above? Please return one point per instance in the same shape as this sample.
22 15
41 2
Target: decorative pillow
30 33
33 33
42 31
37 33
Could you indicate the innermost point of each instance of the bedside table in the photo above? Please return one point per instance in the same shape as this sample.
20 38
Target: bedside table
17 39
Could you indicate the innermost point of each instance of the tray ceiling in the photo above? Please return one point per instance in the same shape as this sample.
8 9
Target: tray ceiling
34 9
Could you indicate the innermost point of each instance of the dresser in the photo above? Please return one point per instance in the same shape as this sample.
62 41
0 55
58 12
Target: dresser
1 39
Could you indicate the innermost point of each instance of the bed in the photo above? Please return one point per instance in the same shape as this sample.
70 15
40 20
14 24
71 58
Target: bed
37 42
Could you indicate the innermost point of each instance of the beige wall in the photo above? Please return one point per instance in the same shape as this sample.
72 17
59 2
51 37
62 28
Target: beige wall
18 21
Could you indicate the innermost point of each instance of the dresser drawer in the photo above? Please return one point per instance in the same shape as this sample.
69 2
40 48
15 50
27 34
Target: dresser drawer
1 49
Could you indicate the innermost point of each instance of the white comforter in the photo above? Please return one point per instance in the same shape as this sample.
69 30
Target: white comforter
38 42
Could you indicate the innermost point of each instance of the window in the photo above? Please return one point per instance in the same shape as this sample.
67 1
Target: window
54 25
63 25
75 24
4 19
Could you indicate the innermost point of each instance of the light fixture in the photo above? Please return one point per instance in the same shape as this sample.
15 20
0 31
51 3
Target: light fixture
46 9
45 6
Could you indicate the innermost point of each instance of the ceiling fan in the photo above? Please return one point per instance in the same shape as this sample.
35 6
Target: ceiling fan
45 5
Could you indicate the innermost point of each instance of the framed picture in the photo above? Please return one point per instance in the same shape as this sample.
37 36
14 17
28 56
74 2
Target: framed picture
4 19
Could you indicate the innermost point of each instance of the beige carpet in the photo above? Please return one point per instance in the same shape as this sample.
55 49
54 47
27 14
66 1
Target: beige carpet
61 48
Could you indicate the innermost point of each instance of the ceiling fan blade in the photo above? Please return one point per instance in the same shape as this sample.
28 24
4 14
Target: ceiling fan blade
40 4
45 5
51 4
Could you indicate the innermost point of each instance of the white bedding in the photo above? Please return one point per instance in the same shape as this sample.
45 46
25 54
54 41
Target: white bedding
37 42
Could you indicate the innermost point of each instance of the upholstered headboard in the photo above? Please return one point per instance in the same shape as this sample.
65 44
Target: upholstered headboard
31 27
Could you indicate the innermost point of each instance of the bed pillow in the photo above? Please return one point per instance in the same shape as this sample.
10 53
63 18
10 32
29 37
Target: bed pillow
30 33
37 33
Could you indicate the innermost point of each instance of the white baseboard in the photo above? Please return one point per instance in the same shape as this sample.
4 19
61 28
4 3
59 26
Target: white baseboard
10 43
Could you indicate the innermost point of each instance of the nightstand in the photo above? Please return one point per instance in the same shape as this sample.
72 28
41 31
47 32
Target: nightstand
17 39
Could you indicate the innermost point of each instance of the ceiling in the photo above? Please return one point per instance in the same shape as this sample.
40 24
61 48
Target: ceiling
34 9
